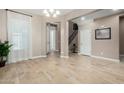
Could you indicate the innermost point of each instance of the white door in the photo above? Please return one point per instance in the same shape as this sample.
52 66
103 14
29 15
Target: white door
85 42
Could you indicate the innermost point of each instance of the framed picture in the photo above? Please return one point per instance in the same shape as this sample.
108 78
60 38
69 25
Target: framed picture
104 33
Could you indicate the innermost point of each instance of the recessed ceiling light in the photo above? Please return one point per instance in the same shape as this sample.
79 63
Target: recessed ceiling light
54 15
82 18
115 9
57 12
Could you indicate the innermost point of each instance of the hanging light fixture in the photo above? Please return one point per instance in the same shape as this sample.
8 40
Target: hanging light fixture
51 12
54 15
57 12
48 15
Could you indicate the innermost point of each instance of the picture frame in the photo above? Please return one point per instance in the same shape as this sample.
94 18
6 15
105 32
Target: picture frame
103 34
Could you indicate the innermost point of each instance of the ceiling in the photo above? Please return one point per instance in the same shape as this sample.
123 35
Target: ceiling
98 14
40 11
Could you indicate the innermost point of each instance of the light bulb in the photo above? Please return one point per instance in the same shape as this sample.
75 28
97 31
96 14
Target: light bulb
45 11
57 12
51 10
48 15
54 15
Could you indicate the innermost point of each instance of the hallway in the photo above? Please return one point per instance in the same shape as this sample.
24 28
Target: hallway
56 70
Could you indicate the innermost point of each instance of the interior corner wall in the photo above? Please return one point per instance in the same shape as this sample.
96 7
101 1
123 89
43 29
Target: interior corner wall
107 48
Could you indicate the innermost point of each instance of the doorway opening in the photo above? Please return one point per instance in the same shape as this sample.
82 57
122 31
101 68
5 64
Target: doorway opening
121 38
81 43
73 38
53 38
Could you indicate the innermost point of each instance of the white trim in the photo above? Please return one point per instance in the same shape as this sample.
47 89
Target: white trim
43 56
17 61
64 56
110 59
83 54
39 56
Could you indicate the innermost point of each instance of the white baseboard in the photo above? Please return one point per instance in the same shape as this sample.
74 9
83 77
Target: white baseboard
83 54
110 59
28 59
61 52
79 53
39 56
64 56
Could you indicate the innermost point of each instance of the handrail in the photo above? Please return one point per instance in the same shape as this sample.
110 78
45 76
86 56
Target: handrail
72 36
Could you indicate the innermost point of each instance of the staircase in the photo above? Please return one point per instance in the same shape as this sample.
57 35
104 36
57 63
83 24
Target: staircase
72 36
73 39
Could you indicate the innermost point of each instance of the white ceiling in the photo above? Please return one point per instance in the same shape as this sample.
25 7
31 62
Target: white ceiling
40 11
97 14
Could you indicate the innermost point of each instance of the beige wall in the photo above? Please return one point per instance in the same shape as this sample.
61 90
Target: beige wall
107 48
3 33
38 36
64 39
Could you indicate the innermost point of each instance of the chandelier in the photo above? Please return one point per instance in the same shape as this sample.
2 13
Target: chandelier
51 12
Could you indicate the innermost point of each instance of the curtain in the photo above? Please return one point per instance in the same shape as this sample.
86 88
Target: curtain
19 34
52 38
